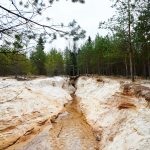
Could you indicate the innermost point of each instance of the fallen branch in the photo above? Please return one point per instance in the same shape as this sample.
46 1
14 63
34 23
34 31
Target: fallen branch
5 86
59 131
12 98
14 142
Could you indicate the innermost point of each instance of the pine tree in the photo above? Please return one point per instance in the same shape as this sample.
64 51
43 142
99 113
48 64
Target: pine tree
142 39
38 57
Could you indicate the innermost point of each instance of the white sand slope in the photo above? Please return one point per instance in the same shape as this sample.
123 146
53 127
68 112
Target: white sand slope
34 115
27 105
121 122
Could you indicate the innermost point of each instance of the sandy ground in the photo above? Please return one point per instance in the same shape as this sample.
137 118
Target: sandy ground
72 131
43 115
25 106
122 121
69 131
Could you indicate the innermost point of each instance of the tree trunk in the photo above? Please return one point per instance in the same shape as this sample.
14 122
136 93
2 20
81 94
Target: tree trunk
130 44
126 66
98 69
148 63
131 66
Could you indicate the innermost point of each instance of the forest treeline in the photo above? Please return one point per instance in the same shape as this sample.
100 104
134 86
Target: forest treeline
126 52
104 56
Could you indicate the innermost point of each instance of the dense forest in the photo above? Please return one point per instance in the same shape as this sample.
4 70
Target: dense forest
124 52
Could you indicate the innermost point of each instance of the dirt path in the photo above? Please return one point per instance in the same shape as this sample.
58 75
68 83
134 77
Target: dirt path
71 132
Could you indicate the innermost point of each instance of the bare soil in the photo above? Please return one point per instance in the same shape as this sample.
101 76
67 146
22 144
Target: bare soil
71 131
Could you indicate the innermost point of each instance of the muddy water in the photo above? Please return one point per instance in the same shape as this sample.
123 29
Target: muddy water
69 131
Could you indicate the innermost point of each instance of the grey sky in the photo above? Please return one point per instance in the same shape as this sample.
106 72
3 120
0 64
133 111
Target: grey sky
87 15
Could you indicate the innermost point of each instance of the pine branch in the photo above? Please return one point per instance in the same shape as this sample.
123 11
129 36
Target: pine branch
29 20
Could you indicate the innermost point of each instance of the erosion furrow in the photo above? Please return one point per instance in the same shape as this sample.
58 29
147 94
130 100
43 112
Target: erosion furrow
69 131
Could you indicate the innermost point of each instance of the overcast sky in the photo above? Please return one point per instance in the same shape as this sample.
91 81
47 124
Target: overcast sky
87 15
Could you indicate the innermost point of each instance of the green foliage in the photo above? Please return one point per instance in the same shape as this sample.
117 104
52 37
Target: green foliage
38 58
70 59
130 27
67 61
109 55
54 63
18 42
12 62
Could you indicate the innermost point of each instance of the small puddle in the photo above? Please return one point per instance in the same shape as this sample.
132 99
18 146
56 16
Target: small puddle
71 131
